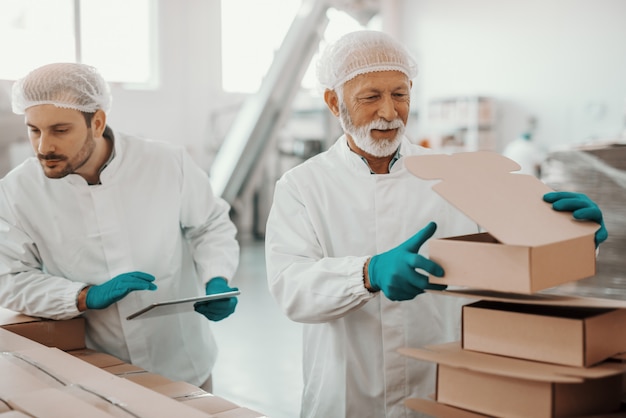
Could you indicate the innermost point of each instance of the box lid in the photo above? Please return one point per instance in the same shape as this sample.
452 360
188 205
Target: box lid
453 355
508 205
539 298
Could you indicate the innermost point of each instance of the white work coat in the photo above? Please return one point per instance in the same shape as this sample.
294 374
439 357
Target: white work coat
328 216
155 212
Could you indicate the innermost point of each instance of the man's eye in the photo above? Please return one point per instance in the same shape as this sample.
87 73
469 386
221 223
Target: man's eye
60 131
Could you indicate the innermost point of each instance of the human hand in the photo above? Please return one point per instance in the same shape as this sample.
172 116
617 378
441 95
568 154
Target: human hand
394 272
582 208
216 310
104 295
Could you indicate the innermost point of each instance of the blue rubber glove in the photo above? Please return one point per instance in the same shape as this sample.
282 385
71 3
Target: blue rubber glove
216 310
582 208
394 272
106 294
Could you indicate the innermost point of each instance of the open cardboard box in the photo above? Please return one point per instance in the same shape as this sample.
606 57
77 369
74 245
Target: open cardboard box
503 386
528 246
574 336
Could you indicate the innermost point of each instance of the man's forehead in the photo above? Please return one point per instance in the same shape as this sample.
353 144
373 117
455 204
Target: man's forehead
49 114
378 79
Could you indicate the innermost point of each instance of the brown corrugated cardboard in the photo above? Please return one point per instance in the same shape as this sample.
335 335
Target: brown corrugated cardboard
123 369
540 298
69 370
528 246
96 358
14 414
179 390
9 341
554 334
497 385
439 410
147 379
209 403
65 335
54 403
239 413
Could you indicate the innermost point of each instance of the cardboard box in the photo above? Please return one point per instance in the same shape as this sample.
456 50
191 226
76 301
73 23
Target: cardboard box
574 336
14 414
503 386
209 403
53 403
96 358
147 379
65 335
123 369
439 410
9 341
44 368
528 246
240 412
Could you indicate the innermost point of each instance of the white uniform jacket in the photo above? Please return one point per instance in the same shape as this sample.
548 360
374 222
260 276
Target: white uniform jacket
328 216
155 212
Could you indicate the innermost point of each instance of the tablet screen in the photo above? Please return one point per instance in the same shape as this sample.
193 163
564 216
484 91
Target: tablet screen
176 306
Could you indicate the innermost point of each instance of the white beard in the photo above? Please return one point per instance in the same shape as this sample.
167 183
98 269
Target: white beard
362 135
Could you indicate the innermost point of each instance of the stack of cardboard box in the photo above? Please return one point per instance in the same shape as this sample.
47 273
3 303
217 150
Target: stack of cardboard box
46 371
522 353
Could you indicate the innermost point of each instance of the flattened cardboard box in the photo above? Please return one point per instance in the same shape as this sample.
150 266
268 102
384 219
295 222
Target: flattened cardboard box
65 335
504 386
574 336
69 372
528 246
439 410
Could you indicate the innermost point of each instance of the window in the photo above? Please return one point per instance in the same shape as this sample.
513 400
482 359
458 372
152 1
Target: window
101 34
252 32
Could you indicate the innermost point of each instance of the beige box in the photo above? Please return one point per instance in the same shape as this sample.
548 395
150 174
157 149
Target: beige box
574 336
96 358
53 368
528 246
64 335
506 387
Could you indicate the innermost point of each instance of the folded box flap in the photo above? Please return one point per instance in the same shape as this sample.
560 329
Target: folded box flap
452 354
508 205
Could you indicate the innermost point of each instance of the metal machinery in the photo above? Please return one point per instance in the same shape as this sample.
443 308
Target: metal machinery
265 112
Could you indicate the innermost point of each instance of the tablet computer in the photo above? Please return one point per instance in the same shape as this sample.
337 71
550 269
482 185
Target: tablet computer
175 306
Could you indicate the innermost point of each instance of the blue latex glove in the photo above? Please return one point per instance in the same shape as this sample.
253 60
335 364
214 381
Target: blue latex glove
216 310
582 208
394 273
101 296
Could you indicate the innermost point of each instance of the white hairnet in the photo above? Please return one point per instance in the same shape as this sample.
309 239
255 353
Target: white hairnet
362 52
67 85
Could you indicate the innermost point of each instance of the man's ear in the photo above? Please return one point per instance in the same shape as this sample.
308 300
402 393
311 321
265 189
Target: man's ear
332 101
98 122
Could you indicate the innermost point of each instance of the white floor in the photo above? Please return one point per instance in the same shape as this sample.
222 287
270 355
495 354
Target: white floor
259 363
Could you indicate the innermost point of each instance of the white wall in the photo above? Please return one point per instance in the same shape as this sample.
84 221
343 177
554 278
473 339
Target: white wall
190 72
179 109
563 61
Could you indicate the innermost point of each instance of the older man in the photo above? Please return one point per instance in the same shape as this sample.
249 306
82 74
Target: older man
345 242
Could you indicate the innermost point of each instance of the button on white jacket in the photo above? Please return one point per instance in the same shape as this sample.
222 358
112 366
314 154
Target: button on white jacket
329 214
154 212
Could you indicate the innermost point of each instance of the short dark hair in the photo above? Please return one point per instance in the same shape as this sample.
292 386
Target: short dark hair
88 116
108 132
